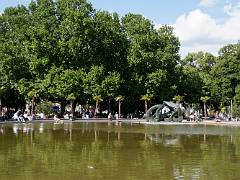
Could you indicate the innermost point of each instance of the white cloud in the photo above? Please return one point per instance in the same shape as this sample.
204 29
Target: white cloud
198 31
208 3
232 10
157 26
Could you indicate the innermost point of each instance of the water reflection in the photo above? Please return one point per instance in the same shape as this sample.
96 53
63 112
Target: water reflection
93 150
41 127
22 127
15 129
2 129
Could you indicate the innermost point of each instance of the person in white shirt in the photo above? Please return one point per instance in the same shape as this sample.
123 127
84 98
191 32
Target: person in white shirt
16 116
116 116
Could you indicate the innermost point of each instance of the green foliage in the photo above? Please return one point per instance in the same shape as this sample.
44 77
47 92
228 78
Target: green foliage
226 72
155 83
75 33
205 99
236 102
119 98
92 81
146 97
178 98
97 98
111 84
60 83
190 84
45 107
136 25
68 51
152 58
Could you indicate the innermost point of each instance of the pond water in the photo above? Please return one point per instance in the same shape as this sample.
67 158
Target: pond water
130 151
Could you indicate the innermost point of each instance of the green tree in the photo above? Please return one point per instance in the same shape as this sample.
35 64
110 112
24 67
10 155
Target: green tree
40 48
64 85
45 107
119 99
178 98
195 76
110 44
110 85
226 73
13 65
205 99
189 84
236 102
153 56
146 98
75 33
97 99
2 92
92 83
155 83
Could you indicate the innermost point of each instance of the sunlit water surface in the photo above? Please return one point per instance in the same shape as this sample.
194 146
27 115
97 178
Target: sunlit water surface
108 151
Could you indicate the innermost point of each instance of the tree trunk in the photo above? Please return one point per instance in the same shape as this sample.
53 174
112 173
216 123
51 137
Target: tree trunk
146 106
96 109
33 106
0 106
119 108
73 107
62 106
205 109
109 106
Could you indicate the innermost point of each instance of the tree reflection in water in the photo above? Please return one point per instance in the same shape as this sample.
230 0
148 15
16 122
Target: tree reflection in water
66 151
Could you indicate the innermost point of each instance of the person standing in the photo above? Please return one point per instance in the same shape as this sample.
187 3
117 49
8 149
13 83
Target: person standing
110 116
116 116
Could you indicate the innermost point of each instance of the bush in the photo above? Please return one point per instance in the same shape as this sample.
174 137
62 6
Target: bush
236 111
45 107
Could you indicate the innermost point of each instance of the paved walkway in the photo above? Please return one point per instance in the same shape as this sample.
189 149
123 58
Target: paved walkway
139 121
102 120
204 122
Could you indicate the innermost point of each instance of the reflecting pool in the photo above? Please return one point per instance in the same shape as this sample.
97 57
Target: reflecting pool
108 151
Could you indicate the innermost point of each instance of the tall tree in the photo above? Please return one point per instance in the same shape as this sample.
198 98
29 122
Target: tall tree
195 76
110 86
109 43
146 98
119 99
153 56
40 51
64 85
75 32
13 65
226 73
204 99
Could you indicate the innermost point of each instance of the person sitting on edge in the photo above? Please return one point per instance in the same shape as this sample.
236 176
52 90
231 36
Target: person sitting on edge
56 119
16 116
66 116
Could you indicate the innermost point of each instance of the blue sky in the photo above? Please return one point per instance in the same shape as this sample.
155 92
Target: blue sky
201 25
159 11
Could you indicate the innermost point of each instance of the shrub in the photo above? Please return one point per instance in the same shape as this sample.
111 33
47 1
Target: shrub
45 107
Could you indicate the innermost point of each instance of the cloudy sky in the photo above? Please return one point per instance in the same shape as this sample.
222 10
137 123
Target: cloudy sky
201 25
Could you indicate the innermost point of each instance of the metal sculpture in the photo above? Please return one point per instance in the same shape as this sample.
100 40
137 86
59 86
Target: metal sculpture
168 111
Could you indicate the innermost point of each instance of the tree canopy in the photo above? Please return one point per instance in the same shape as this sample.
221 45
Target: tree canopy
68 51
